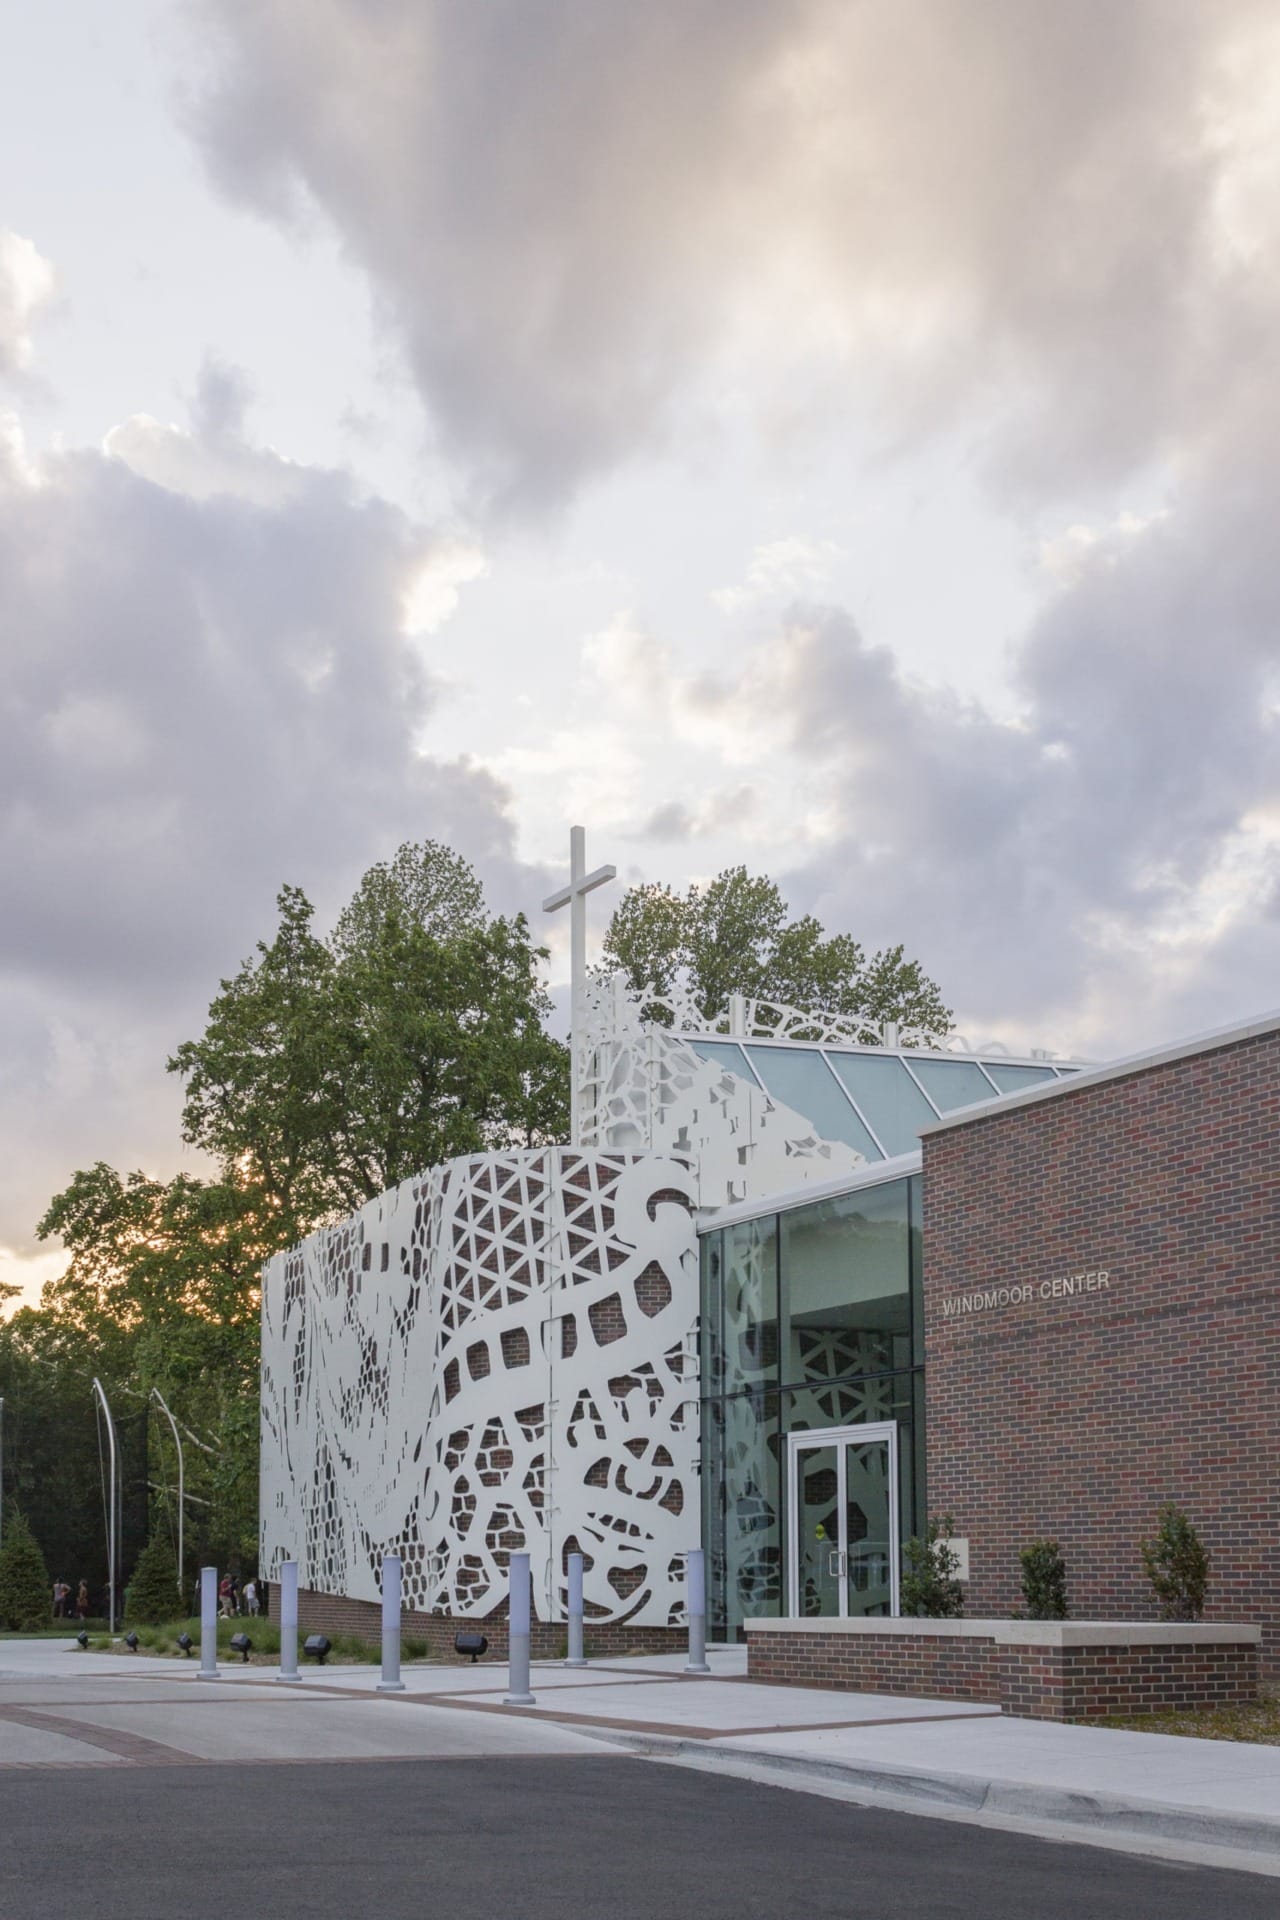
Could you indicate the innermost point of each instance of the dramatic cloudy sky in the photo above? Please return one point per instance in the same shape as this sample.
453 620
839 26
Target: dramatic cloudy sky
836 436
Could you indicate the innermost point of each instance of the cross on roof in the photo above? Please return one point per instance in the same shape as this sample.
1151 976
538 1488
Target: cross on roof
574 896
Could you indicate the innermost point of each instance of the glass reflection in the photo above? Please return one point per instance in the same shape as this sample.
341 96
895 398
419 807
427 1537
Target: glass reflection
846 1266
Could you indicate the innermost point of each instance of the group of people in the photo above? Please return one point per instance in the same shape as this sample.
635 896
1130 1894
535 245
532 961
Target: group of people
64 1607
233 1599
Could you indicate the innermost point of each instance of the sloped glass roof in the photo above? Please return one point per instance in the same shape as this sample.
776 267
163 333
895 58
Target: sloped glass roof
875 1100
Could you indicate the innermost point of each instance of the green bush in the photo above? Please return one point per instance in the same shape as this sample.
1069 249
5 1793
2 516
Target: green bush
1177 1566
1044 1580
25 1588
153 1591
930 1589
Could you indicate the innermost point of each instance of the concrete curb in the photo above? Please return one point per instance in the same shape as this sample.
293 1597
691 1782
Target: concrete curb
1101 1814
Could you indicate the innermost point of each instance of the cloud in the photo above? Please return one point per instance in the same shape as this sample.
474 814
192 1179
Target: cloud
207 692
27 285
1054 224
1091 863
433 594
1107 861
784 567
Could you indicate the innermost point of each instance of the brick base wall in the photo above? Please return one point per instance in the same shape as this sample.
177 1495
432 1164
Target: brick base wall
334 1613
1032 1681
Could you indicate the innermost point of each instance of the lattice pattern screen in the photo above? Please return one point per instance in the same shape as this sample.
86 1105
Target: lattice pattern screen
497 1355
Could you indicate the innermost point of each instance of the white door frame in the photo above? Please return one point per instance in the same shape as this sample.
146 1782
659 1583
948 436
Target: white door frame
867 1433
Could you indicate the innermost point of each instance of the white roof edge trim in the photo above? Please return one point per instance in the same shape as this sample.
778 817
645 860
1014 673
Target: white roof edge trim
874 1174
1132 1063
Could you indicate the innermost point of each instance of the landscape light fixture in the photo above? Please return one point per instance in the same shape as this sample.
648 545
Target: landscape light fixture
243 1645
186 1643
131 1641
315 1646
82 1640
473 1643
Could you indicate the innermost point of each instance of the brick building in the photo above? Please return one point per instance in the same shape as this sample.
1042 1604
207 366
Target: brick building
1079 1320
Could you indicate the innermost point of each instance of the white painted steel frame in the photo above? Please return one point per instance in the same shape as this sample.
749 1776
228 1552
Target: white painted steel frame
869 1433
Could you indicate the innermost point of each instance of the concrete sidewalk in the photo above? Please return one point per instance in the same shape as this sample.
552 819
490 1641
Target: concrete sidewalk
1195 1799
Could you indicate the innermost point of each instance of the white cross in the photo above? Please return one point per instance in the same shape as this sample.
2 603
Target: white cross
574 896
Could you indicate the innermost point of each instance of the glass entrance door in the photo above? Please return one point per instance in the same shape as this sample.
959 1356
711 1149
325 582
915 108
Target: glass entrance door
843 1521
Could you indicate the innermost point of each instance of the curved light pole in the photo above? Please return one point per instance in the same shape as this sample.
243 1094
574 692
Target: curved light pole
111 1510
159 1398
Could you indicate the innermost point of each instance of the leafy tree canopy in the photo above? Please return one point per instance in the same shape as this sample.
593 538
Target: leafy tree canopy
155 1592
331 1070
734 936
25 1590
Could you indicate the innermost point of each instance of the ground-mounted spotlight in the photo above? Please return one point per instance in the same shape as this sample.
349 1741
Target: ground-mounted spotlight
315 1646
243 1645
131 1641
473 1643
186 1643
82 1640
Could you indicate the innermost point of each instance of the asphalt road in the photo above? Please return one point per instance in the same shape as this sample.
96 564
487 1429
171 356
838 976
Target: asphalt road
541 1838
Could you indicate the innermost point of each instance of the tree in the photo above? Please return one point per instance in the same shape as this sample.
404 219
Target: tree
930 1587
329 1071
1044 1580
734 936
1177 1565
262 1087
25 1603
427 886
154 1595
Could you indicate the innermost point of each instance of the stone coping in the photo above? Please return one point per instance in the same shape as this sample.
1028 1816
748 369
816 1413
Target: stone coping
1035 1633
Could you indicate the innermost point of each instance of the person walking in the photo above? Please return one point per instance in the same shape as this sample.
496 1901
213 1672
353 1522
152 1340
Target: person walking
82 1601
251 1597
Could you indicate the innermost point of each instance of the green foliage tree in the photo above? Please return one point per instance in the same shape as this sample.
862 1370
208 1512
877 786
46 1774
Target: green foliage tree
930 1589
1044 1580
154 1595
734 936
331 1071
25 1589
1177 1565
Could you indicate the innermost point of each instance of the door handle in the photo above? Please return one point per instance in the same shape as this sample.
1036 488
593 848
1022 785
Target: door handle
837 1564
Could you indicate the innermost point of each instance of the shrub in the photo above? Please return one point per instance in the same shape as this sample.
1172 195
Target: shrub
153 1595
930 1589
25 1588
1177 1566
1044 1580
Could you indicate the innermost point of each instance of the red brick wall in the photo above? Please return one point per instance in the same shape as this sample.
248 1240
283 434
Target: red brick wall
1074 1418
334 1613
1033 1682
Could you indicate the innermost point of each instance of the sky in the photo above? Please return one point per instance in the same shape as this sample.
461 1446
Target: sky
834 438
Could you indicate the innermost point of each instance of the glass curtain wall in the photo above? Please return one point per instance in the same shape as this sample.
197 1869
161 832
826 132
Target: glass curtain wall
810 1319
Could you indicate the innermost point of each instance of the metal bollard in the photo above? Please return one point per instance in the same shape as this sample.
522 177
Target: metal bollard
518 1614
695 1573
208 1624
576 1656
289 1621
391 1681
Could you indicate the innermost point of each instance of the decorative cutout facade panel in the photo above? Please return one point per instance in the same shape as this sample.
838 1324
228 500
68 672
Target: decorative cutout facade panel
500 1354
642 1086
